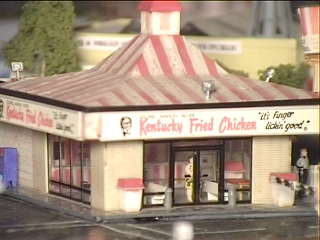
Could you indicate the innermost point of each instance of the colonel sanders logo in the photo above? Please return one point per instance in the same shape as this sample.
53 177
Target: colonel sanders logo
126 124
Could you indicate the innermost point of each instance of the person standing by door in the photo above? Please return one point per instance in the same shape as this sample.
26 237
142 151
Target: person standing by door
303 166
189 178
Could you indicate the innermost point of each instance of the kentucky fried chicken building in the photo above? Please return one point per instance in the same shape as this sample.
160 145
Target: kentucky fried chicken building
142 113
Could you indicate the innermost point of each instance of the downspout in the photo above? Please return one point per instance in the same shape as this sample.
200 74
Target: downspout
268 29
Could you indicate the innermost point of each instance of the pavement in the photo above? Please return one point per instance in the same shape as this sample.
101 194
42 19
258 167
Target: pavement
302 207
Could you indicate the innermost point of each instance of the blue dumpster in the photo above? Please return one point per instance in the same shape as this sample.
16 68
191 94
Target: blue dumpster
8 167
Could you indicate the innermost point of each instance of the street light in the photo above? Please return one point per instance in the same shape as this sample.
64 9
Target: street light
270 74
17 67
207 87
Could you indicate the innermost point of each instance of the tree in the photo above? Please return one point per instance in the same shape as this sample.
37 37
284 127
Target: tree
45 42
288 74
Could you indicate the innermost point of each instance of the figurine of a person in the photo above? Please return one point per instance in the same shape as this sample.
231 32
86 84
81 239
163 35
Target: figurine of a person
303 166
189 178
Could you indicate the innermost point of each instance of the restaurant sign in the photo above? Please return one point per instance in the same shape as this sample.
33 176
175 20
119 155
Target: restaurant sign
209 123
40 117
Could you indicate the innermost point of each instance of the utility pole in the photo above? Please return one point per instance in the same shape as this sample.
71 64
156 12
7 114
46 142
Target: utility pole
271 19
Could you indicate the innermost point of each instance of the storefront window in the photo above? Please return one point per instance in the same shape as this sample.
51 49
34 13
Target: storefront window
164 166
238 167
69 165
156 171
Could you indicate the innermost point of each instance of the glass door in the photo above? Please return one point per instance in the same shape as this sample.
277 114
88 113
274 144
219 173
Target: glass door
182 176
210 177
195 175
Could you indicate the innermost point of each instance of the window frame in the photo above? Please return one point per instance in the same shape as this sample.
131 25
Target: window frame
74 170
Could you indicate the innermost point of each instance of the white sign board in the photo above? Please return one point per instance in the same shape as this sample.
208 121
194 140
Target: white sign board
174 124
40 117
102 43
219 47
113 43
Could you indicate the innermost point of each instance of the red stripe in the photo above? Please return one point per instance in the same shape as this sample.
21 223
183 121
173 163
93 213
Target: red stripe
125 64
144 70
184 54
286 91
143 67
60 81
25 85
186 89
179 171
67 84
122 97
190 70
218 96
100 86
303 21
119 53
161 55
211 65
314 13
156 83
239 93
52 82
261 91
78 86
141 92
103 101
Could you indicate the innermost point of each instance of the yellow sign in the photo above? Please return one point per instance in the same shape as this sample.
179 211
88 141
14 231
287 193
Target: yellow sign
247 54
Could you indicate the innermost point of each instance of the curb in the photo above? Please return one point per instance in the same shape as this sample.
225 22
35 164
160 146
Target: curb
163 216
208 216
50 206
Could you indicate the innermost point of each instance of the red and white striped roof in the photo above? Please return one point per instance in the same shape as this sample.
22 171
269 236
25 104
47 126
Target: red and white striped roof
310 20
154 70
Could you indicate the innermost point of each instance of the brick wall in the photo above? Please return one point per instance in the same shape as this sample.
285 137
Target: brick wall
269 154
98 174
122 160
40 162
20 138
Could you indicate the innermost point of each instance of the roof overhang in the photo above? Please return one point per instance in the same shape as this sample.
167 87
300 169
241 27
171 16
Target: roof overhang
209 105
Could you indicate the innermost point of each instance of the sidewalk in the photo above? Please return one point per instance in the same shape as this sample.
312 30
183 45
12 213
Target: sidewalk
303 207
